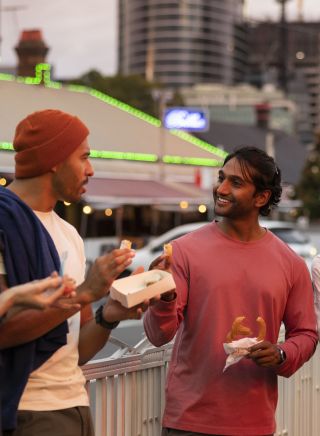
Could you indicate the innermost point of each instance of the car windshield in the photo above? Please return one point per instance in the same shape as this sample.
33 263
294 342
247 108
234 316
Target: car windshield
290 236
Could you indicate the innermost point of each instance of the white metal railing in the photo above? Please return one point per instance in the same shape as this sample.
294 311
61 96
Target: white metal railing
127 394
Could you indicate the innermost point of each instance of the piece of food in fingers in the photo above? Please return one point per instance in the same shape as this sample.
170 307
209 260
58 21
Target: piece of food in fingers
125 243
262 328
167 249
238 329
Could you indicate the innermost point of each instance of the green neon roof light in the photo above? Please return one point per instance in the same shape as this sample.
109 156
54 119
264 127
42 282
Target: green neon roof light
140 157
43 75
179 160
6 146
7 77
200 143
100 154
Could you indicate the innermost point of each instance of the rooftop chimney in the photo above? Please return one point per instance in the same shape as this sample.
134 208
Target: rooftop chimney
31 50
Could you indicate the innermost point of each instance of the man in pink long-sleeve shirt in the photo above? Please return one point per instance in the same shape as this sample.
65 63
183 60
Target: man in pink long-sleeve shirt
224 270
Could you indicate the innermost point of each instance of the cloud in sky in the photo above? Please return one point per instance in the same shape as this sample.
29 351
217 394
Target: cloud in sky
82 34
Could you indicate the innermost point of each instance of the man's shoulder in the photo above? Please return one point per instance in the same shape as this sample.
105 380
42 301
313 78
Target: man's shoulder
197 235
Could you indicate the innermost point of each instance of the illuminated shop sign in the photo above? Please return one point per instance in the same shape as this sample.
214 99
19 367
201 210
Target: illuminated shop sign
185 118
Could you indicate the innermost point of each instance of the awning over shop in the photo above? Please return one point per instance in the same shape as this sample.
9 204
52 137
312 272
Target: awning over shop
110 191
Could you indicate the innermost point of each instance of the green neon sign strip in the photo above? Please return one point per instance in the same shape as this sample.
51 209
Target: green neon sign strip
199 143
140 157
43 75
7 77
100 154
6 146
178 160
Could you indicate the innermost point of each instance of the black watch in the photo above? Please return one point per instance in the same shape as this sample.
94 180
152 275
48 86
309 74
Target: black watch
101 321
282 355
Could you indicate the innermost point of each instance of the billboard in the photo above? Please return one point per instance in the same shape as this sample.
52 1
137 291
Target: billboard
186 118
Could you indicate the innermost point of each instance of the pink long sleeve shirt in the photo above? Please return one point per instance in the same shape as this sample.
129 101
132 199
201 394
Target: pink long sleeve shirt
219 279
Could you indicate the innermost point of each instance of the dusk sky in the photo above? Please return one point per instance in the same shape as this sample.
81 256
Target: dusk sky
82 34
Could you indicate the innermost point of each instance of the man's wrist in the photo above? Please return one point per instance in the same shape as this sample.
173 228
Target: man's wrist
84 296
168 297
100 319
282 355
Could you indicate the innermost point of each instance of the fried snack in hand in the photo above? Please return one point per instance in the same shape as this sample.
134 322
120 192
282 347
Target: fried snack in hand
167 250
238 329
125 244
262 328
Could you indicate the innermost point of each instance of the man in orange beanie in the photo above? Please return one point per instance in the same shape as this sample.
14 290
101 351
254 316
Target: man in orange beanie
41 373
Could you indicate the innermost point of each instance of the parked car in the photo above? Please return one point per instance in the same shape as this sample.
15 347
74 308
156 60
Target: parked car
298 240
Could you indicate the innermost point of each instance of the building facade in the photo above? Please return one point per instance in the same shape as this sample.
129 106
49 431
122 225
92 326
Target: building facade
295 66
237 104
183 42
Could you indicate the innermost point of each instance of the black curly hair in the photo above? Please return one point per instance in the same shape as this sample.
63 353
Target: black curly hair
260 168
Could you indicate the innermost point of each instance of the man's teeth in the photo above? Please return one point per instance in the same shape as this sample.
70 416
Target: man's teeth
223 200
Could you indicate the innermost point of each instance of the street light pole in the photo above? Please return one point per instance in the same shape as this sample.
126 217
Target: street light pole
162 96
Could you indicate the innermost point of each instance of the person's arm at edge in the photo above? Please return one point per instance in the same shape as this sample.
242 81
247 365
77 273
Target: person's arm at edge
31 324
315 271
300 323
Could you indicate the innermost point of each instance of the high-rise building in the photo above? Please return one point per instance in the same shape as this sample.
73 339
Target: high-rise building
183 42
295 67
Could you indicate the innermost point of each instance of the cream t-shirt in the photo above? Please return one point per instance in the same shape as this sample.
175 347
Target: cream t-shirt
59 383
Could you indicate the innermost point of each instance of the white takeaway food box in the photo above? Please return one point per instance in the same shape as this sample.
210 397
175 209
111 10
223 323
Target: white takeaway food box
134 289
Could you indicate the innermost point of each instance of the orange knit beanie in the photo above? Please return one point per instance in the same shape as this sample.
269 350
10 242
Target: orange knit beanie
44 139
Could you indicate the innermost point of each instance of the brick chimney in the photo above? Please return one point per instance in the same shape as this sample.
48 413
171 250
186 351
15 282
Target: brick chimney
31 50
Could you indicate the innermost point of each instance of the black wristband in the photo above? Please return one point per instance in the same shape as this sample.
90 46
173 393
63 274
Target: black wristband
169 297
101 321
282 355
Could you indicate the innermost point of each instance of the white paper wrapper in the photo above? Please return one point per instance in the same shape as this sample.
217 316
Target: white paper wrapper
237 349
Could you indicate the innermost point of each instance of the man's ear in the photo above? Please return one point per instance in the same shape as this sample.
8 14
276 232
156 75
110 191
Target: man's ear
262 198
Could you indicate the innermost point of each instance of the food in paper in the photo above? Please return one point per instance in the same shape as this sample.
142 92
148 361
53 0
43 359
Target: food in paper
125 244
262 328
238 329
134 289
237 343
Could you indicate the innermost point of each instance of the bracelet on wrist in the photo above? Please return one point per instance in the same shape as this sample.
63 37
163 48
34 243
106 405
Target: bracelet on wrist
169 297
282 355
102 322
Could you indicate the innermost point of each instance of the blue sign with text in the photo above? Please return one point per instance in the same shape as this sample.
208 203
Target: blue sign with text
185 118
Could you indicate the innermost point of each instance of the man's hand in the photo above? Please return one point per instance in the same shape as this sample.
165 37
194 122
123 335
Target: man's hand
162 262
102 273
265 354
52 291
114 311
